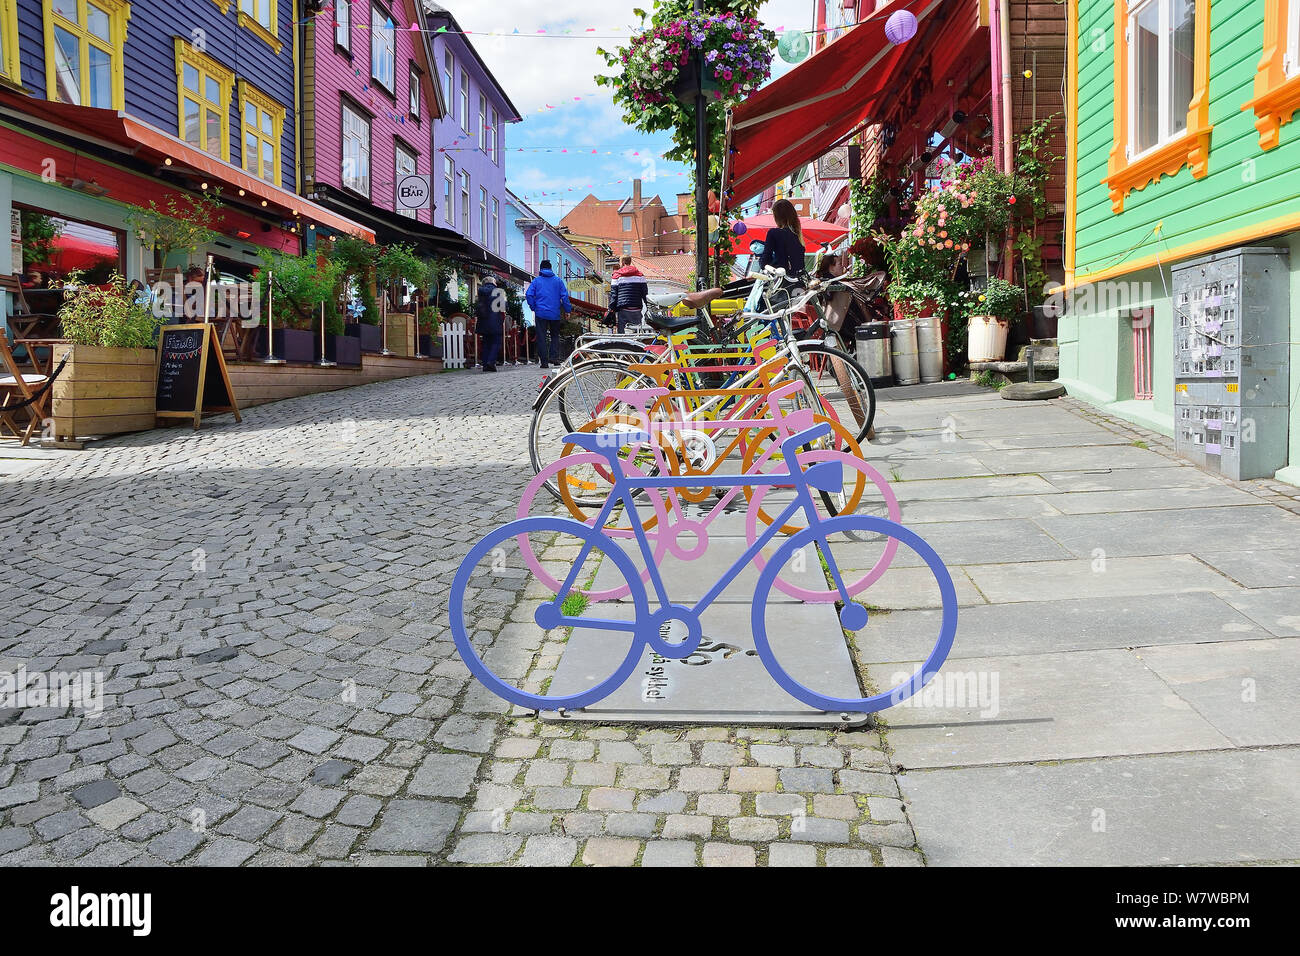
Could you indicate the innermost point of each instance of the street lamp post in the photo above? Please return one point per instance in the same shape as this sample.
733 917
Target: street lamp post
701 171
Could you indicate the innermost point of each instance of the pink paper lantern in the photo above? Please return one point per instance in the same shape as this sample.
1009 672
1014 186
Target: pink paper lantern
901 26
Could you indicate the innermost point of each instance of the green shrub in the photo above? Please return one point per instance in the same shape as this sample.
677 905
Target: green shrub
301 285
108 317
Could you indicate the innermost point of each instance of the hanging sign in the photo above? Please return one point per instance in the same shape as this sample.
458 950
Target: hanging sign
414 192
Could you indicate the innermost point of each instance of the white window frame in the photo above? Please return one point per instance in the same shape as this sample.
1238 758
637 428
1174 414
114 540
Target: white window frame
1165 68
449 77
449 189
495 141
482 137
413 92
627 223
343 17
496 224
464 101
359 183
466 191
401 152
483 217
1291 64
383 49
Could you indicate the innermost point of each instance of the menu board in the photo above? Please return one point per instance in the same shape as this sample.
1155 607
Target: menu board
191 374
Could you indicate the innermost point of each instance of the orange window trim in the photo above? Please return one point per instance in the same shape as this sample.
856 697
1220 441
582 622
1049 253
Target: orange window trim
1191 148
1277 97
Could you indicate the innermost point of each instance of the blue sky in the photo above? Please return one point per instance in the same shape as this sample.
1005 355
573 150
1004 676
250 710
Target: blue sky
557 70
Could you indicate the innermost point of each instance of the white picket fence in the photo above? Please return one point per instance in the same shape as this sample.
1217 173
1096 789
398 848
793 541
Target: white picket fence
453 344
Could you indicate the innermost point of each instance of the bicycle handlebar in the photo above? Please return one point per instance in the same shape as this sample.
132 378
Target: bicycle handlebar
792 444
607 444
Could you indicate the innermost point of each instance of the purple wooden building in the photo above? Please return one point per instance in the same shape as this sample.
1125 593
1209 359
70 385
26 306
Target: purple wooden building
470 141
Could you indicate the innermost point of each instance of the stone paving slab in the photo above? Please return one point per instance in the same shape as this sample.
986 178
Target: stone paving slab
1185 809
1249 690
1277 609
725 682
1151 500
1137 533
1257 569
1044 707
1100 576
1088 458
996 630
1131 479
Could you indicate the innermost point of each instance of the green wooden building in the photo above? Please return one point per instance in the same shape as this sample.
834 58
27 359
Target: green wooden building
1181 145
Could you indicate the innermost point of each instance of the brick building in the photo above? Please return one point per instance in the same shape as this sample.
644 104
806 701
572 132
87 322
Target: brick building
636 226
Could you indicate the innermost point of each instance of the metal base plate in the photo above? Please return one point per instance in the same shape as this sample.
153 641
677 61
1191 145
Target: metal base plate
724 682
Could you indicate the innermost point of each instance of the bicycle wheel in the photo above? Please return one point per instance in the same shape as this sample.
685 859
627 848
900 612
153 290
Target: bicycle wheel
853 617
844 383
570 400
509 626
870 559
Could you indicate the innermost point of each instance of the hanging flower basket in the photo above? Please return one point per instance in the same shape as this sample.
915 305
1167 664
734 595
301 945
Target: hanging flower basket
660 64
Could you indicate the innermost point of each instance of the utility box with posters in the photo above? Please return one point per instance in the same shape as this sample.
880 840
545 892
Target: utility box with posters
1232 320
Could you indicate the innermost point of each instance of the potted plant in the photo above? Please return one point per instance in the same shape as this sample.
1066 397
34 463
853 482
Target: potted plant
398 264
430 336
356 259
295 287
107 386
181 224
992 310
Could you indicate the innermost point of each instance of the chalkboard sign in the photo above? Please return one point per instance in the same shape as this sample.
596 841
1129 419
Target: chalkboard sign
191 374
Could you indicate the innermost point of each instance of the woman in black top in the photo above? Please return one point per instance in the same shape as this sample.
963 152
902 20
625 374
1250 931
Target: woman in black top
783 247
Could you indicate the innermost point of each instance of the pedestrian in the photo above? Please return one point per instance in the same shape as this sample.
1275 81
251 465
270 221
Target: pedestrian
490 312
628 297
549 299
783 247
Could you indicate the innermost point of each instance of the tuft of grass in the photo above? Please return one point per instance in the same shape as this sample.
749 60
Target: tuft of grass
987 379
574 604
1140 444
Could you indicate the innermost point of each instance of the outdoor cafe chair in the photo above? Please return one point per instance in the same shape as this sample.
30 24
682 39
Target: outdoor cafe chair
21 391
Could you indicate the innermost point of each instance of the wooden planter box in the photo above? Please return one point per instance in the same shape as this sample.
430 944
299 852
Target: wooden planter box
401 333
102 391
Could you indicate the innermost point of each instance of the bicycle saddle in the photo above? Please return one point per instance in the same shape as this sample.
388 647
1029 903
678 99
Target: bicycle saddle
672 323
692 300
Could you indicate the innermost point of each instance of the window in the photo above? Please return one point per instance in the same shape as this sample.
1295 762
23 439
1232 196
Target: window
1162 70
1293 38
9 40
449 189
627 223
383 48
546 251
343 23
464 205
1277 78
494 142
413 92
496 225
263 126
356 151
482 137
464 101
627 248
404 164
203 93
1162 54
83 51
483 218
448 79
259 16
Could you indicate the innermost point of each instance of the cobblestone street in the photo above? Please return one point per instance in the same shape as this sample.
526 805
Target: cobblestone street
267 605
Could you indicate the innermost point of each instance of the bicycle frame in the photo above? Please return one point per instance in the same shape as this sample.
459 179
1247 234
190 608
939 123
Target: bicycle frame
818 477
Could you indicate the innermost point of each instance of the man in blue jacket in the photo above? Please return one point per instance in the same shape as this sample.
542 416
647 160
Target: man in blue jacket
549 299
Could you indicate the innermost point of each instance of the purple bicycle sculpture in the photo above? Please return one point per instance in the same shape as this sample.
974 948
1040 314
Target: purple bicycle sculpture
672 630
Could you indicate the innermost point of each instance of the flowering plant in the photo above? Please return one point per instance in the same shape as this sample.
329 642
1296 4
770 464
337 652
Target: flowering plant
737 49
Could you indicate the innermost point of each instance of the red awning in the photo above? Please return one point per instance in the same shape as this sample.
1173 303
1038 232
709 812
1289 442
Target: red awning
125 134
797 118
